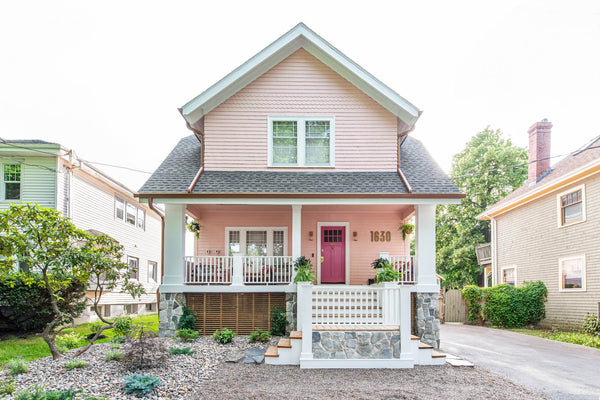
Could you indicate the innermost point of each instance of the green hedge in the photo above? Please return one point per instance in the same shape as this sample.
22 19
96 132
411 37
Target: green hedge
25 305
508 306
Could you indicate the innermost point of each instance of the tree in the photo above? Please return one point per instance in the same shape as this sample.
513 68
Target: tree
61 257
489 168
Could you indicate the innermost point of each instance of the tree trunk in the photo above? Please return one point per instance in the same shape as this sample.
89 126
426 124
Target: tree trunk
50 341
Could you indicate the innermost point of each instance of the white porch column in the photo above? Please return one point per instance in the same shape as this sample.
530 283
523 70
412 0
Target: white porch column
237 278
296 231
406 351
174 244
304 308
425 248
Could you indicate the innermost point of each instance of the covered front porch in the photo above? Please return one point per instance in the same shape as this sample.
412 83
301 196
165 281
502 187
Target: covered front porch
252 246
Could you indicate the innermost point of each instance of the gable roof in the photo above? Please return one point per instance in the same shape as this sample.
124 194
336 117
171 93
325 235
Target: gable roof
299 37
577 165
173 177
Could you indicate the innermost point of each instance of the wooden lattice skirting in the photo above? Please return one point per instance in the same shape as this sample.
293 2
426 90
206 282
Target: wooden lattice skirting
240 312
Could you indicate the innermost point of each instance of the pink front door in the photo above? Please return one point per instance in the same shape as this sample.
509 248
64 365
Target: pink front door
333 254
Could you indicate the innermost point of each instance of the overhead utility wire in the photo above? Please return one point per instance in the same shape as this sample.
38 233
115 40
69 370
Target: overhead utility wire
30 165
4 141
524 164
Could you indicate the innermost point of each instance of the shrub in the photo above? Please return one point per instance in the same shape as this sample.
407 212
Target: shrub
591 325
515 307
75 363
113 355
259 336
7 386
187 335
473 297
278 321
223 336
583 339
145 350
185 350
27 306
140 385
34 393
17 366
61 394
187 319
68 341
95 326
123 326
304 273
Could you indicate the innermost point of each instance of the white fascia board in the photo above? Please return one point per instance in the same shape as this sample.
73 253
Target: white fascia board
533 195
299 37
327 201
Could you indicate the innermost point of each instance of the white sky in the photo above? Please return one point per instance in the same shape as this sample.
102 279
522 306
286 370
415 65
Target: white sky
106 78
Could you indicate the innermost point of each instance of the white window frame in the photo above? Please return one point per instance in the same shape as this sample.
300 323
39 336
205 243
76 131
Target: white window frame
150 278
583 273
137 209
20 182
269 231
301 141
137 273
559 206
502 274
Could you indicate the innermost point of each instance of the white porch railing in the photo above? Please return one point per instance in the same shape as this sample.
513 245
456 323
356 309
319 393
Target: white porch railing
238 270
405 266
355 305
208 270
265 270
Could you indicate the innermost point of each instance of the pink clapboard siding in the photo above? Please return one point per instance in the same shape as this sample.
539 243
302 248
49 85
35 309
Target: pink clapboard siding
236 131
361 219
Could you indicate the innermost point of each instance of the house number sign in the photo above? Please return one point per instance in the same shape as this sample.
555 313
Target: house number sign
381 236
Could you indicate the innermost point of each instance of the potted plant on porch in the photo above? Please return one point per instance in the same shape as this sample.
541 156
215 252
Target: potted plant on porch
385 271
304 273
407 229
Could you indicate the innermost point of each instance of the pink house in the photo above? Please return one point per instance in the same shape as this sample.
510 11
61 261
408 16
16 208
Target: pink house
301 152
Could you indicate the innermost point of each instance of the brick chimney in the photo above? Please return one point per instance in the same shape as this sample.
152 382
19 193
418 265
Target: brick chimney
539 149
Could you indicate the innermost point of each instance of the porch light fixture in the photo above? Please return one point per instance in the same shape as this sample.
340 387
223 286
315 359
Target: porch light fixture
216 251
355 236
207 251
310 235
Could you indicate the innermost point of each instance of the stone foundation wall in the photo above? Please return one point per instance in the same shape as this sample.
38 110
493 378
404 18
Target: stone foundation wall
170 310
291 310
427 318
356 345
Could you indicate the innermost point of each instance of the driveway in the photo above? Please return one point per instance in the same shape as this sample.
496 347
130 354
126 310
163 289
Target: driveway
554 369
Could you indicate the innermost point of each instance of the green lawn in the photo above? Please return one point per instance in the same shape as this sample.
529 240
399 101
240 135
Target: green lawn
583 339
34 347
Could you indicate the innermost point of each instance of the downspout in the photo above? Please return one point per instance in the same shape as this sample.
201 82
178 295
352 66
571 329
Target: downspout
162 249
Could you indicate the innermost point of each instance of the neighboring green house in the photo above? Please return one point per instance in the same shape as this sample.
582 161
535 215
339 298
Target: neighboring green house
548 230
52 176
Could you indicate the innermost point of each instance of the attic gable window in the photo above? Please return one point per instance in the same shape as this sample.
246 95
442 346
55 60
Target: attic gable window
301 142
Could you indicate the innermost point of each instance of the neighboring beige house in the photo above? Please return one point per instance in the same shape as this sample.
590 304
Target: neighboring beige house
52 176
548 230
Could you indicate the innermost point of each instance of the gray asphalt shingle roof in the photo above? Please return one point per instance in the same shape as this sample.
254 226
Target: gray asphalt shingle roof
178 170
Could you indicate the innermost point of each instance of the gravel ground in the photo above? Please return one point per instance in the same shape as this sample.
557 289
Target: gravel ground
205 375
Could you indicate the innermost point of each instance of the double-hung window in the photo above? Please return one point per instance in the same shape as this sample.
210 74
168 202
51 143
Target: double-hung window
130 213
571 206
133 264
509 275
301 142
571 274
12 181
250 241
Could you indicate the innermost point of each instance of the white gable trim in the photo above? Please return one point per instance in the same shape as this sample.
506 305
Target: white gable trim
299 37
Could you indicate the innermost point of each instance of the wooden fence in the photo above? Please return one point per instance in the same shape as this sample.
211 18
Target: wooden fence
455 307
